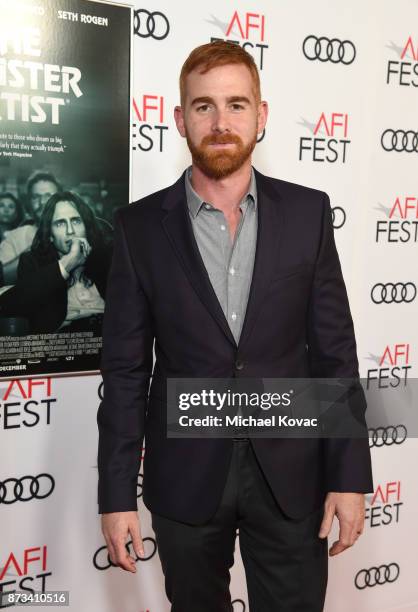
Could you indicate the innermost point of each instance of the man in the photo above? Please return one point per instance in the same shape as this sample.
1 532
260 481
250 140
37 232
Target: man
40 187
11 213
232 274
62 279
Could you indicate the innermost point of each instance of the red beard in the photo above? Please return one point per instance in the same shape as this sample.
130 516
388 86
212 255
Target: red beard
218 164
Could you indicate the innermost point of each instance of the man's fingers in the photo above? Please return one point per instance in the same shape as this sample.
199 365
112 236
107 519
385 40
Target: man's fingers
116 528
123 558
347 537
326 521
337 548
111 550
137 542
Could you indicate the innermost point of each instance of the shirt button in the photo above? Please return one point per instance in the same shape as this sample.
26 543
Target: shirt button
239 365
223 228
234 316
232 271
207 206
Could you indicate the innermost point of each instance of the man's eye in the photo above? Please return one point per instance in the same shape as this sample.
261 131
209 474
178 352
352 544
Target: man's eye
203 108
59 223
76 220
237 106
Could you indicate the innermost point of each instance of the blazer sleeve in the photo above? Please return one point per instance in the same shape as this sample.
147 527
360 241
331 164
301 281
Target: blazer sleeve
332 353
126 366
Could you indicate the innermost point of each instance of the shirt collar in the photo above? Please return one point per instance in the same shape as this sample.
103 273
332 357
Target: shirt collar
195 202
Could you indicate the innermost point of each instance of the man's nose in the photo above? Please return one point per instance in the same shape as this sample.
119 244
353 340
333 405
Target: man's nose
70 229
220 122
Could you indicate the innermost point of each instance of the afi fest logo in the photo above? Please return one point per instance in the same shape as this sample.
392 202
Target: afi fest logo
403 71
383 507
23 570
401 221
245 29
328 141
392 369
148 126
26 403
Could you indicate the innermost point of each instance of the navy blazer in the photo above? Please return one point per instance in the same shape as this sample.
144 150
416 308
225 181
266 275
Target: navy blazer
297 324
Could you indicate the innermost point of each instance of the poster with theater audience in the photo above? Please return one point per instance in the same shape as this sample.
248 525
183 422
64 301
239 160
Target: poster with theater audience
64 169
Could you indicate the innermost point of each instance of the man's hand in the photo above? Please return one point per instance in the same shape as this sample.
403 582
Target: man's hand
79 251
349 509
116 527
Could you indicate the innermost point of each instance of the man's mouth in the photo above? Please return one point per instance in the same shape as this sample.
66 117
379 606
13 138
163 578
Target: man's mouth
221 145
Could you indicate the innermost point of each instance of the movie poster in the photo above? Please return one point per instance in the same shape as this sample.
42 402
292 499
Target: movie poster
64 169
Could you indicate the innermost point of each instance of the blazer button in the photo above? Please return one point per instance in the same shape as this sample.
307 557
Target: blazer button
239 365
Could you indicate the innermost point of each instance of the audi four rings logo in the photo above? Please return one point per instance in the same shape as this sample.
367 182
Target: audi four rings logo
101 559
399 140
338 217
377 575
329 50
151 25
26 488
393 293
387 436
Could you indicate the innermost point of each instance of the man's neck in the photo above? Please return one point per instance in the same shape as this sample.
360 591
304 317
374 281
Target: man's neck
226 193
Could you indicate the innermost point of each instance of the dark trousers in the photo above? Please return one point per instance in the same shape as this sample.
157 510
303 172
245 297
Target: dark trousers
286 564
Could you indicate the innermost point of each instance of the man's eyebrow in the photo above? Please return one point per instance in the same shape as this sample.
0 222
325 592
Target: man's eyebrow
202 100
65 218
230 100
238 99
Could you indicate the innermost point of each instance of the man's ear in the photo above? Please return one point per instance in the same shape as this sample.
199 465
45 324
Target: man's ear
179 119
263 111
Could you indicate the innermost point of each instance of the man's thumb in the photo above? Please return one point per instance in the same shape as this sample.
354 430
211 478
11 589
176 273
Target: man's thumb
326 522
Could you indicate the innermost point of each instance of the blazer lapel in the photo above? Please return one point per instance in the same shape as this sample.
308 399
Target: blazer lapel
178 228
269 232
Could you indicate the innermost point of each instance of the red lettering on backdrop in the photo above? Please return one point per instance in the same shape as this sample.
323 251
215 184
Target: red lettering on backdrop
384 493
235 18
337 120
253 21
409 45
41 554
147 106
18 386
404 207
400 350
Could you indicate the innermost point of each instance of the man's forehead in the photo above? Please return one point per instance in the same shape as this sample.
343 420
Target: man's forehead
225 81
44 185
226 72
64 208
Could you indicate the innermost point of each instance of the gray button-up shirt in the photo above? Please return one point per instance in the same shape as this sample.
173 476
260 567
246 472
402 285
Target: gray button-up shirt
229 264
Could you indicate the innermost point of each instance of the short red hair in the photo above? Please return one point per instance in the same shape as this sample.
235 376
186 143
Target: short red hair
218 53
